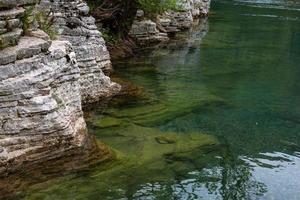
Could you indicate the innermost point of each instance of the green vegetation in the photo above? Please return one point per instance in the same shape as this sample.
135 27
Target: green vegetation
109 37
157 6
27 19
45 21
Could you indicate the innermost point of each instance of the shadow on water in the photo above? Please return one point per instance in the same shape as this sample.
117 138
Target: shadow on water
212 115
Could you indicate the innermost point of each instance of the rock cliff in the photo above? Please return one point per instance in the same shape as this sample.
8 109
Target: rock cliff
74 24
41 119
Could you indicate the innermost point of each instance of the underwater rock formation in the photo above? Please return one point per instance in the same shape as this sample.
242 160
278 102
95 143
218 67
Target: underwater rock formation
148 161
74 24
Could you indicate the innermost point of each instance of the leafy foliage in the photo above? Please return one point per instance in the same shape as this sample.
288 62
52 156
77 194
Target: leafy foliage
27 18
109 38
157 6
46 21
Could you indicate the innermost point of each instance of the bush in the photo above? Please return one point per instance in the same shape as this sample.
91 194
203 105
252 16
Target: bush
46 21
27 19
109 38
157 6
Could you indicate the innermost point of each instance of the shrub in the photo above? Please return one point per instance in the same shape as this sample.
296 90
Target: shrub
157 6
109 38
27 18
46 21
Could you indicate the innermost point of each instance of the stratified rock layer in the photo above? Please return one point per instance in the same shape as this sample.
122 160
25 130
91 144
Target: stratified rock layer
42 129
75 25
40 108
146 31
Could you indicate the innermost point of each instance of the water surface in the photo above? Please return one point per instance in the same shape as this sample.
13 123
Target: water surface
216 115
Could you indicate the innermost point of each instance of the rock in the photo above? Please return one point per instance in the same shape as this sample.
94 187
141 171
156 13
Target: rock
27 47
201 7
75 25
14 3
10 38
140 13
41 116
107 122
83 9
39 34
7 56
3 30
37 109
165 140
145 31
13 23
11 14
2 24
182 20
167 24
42 129
154 156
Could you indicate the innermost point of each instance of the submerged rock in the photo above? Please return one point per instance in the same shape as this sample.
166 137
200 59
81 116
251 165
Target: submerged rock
144 163
158 113
106 122
152 145
165 140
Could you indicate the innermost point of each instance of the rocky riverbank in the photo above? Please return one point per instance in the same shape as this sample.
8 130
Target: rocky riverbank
147 31
44 84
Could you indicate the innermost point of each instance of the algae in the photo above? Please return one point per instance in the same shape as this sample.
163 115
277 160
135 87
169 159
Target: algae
106 122
139 160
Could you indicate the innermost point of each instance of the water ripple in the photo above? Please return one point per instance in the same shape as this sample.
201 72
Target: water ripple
274 16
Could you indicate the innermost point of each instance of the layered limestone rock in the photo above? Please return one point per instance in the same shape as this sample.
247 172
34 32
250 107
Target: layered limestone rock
200 7
10 27
42 128
74 24
146 31
39 101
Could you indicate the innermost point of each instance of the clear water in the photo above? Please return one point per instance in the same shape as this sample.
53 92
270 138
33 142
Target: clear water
217 114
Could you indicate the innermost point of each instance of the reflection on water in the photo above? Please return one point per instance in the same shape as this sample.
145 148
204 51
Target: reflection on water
275 4
218 115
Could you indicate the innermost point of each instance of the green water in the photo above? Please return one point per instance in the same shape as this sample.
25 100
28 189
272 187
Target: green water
217 115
